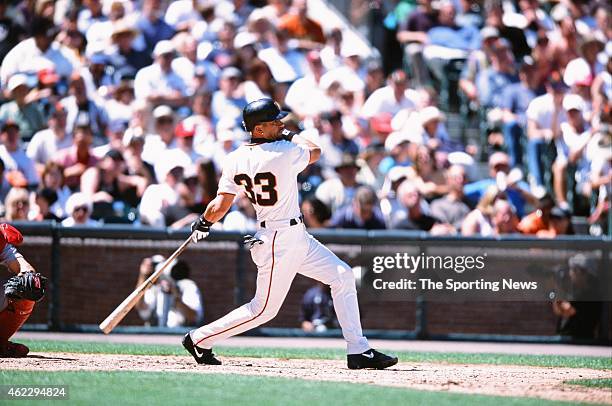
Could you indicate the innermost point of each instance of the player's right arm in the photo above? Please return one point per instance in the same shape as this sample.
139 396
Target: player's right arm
218 207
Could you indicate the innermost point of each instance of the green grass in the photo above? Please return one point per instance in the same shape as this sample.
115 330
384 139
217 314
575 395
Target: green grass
592 383
156 388
313 353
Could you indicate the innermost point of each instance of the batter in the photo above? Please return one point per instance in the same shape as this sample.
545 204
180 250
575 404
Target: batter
266 169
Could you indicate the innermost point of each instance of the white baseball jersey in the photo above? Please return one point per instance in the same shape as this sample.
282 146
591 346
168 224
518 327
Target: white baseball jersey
267 173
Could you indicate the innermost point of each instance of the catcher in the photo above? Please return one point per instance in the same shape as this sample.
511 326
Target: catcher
20 292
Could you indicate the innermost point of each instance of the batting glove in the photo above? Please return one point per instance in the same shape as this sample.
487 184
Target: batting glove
250 241
287 135
200 229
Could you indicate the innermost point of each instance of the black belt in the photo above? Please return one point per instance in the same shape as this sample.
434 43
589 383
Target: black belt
292 222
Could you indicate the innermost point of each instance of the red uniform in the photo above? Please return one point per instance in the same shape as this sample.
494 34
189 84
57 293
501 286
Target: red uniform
13 312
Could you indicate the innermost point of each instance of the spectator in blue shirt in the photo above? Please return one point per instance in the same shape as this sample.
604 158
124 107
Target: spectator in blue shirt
515 99
152 26
450 35
363 213
492 81
517 191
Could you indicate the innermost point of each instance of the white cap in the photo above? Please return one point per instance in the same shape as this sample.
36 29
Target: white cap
78 200
489 32
163 47
604 57
400 119
394 139
573 102
559 12
430 113
204 49
226 135
460 158
162 111
258 14
243 39
577 72
230 72
17 80
397 172
347 51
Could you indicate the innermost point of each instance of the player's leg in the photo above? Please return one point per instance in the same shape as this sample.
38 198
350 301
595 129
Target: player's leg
323 265
13 313
275 260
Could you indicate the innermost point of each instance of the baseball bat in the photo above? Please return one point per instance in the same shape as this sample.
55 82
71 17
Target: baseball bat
122 310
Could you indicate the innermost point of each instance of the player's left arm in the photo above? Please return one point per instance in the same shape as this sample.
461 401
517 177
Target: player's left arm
310 144
315 150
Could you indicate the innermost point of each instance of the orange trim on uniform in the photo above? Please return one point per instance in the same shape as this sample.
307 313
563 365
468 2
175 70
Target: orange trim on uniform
265 304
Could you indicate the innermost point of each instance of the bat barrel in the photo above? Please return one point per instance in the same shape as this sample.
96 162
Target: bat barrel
124 308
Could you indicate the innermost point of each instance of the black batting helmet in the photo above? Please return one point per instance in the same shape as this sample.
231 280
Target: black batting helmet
261 111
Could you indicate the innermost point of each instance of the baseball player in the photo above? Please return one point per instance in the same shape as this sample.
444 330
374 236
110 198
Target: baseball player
20 292
266 169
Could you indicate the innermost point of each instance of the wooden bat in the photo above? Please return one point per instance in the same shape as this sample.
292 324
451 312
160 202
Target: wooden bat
123 309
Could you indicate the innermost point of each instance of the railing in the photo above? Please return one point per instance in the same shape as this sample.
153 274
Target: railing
381 239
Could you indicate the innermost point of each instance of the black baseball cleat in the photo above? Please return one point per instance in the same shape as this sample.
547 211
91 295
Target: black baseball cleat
201 355
370 359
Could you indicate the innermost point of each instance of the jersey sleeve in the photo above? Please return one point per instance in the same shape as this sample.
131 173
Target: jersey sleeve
226 183
300 157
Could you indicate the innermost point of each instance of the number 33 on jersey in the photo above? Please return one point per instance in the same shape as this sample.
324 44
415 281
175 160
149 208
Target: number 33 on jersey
267 173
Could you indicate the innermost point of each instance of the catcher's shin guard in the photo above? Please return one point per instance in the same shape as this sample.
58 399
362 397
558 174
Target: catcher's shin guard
13 316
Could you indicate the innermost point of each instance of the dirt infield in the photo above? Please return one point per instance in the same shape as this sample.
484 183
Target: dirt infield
502 380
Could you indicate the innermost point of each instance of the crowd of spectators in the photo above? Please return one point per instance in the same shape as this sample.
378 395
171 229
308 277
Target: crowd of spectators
120 111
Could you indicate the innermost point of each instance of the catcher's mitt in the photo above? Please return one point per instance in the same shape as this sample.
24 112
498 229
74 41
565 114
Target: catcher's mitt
27 285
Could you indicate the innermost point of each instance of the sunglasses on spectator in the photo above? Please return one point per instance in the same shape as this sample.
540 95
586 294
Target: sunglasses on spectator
81 208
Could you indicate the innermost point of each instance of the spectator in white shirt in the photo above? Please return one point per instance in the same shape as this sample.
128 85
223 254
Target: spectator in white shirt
90 15
306 97
160 196
185 64
159 83
338 192
45 143
183 154
78 104
14 158
157 144
286 62
36 52
79 208
349 74
28 115
182 14
175 300
575 136
544 115
392 98
228 102
227 140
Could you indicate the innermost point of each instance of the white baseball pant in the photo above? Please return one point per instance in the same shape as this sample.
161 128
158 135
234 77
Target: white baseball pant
285 252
